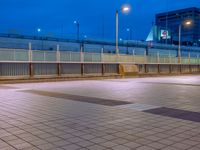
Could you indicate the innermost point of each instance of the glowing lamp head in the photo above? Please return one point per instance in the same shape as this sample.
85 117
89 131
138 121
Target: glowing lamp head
38 30
125 8
188 23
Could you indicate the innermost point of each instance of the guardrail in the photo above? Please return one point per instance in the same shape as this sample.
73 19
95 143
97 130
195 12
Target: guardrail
19 55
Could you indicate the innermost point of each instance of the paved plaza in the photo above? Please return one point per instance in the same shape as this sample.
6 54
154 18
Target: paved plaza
157 113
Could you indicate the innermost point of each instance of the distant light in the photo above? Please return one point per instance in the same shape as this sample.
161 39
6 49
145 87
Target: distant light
188 22
38 30
75 22
126 8
85 36
128 29
121 39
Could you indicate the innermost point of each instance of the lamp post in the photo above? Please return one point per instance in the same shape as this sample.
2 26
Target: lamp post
124 9
187 23
78 29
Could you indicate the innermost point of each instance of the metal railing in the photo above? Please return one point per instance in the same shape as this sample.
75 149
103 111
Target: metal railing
19 55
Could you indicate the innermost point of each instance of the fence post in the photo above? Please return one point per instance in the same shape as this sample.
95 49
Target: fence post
31 71
30 52
158 57
189 58
170 61
44 55
58 60
145 57
58 53
133 55
81 54
102 54
14 55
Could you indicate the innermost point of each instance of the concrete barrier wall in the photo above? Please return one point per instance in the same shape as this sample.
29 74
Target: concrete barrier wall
175 69
93 69
31 70
14 69
164 69
44 69
70 69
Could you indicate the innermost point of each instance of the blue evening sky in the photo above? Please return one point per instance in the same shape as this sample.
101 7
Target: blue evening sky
56 17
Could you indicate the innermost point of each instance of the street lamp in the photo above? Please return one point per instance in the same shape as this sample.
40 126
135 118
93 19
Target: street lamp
78 28
38 30
124 9
186 23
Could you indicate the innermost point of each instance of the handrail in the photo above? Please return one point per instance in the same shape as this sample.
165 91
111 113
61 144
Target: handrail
24 55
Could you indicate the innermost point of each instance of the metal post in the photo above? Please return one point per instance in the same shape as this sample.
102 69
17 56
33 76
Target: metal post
145 57
179 46
58 61
133 55
102 55
117 32
30 52
170 61
189 58
158 57
82 55
58 53
44 56
31 71
14 55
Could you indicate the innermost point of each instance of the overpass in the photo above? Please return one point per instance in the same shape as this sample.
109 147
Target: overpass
21 58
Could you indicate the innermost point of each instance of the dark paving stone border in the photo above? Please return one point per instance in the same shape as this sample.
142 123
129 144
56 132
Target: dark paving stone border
94 100
176 84
176 113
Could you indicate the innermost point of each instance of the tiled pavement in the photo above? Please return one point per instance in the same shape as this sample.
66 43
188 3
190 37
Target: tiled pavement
34 117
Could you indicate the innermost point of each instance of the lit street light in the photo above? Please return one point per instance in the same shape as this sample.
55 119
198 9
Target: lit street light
38 30
186 23
124 9
78 29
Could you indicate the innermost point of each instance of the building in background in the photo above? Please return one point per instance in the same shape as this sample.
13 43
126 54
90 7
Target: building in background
166 28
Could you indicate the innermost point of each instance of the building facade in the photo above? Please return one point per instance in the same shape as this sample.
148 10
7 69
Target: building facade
168 24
